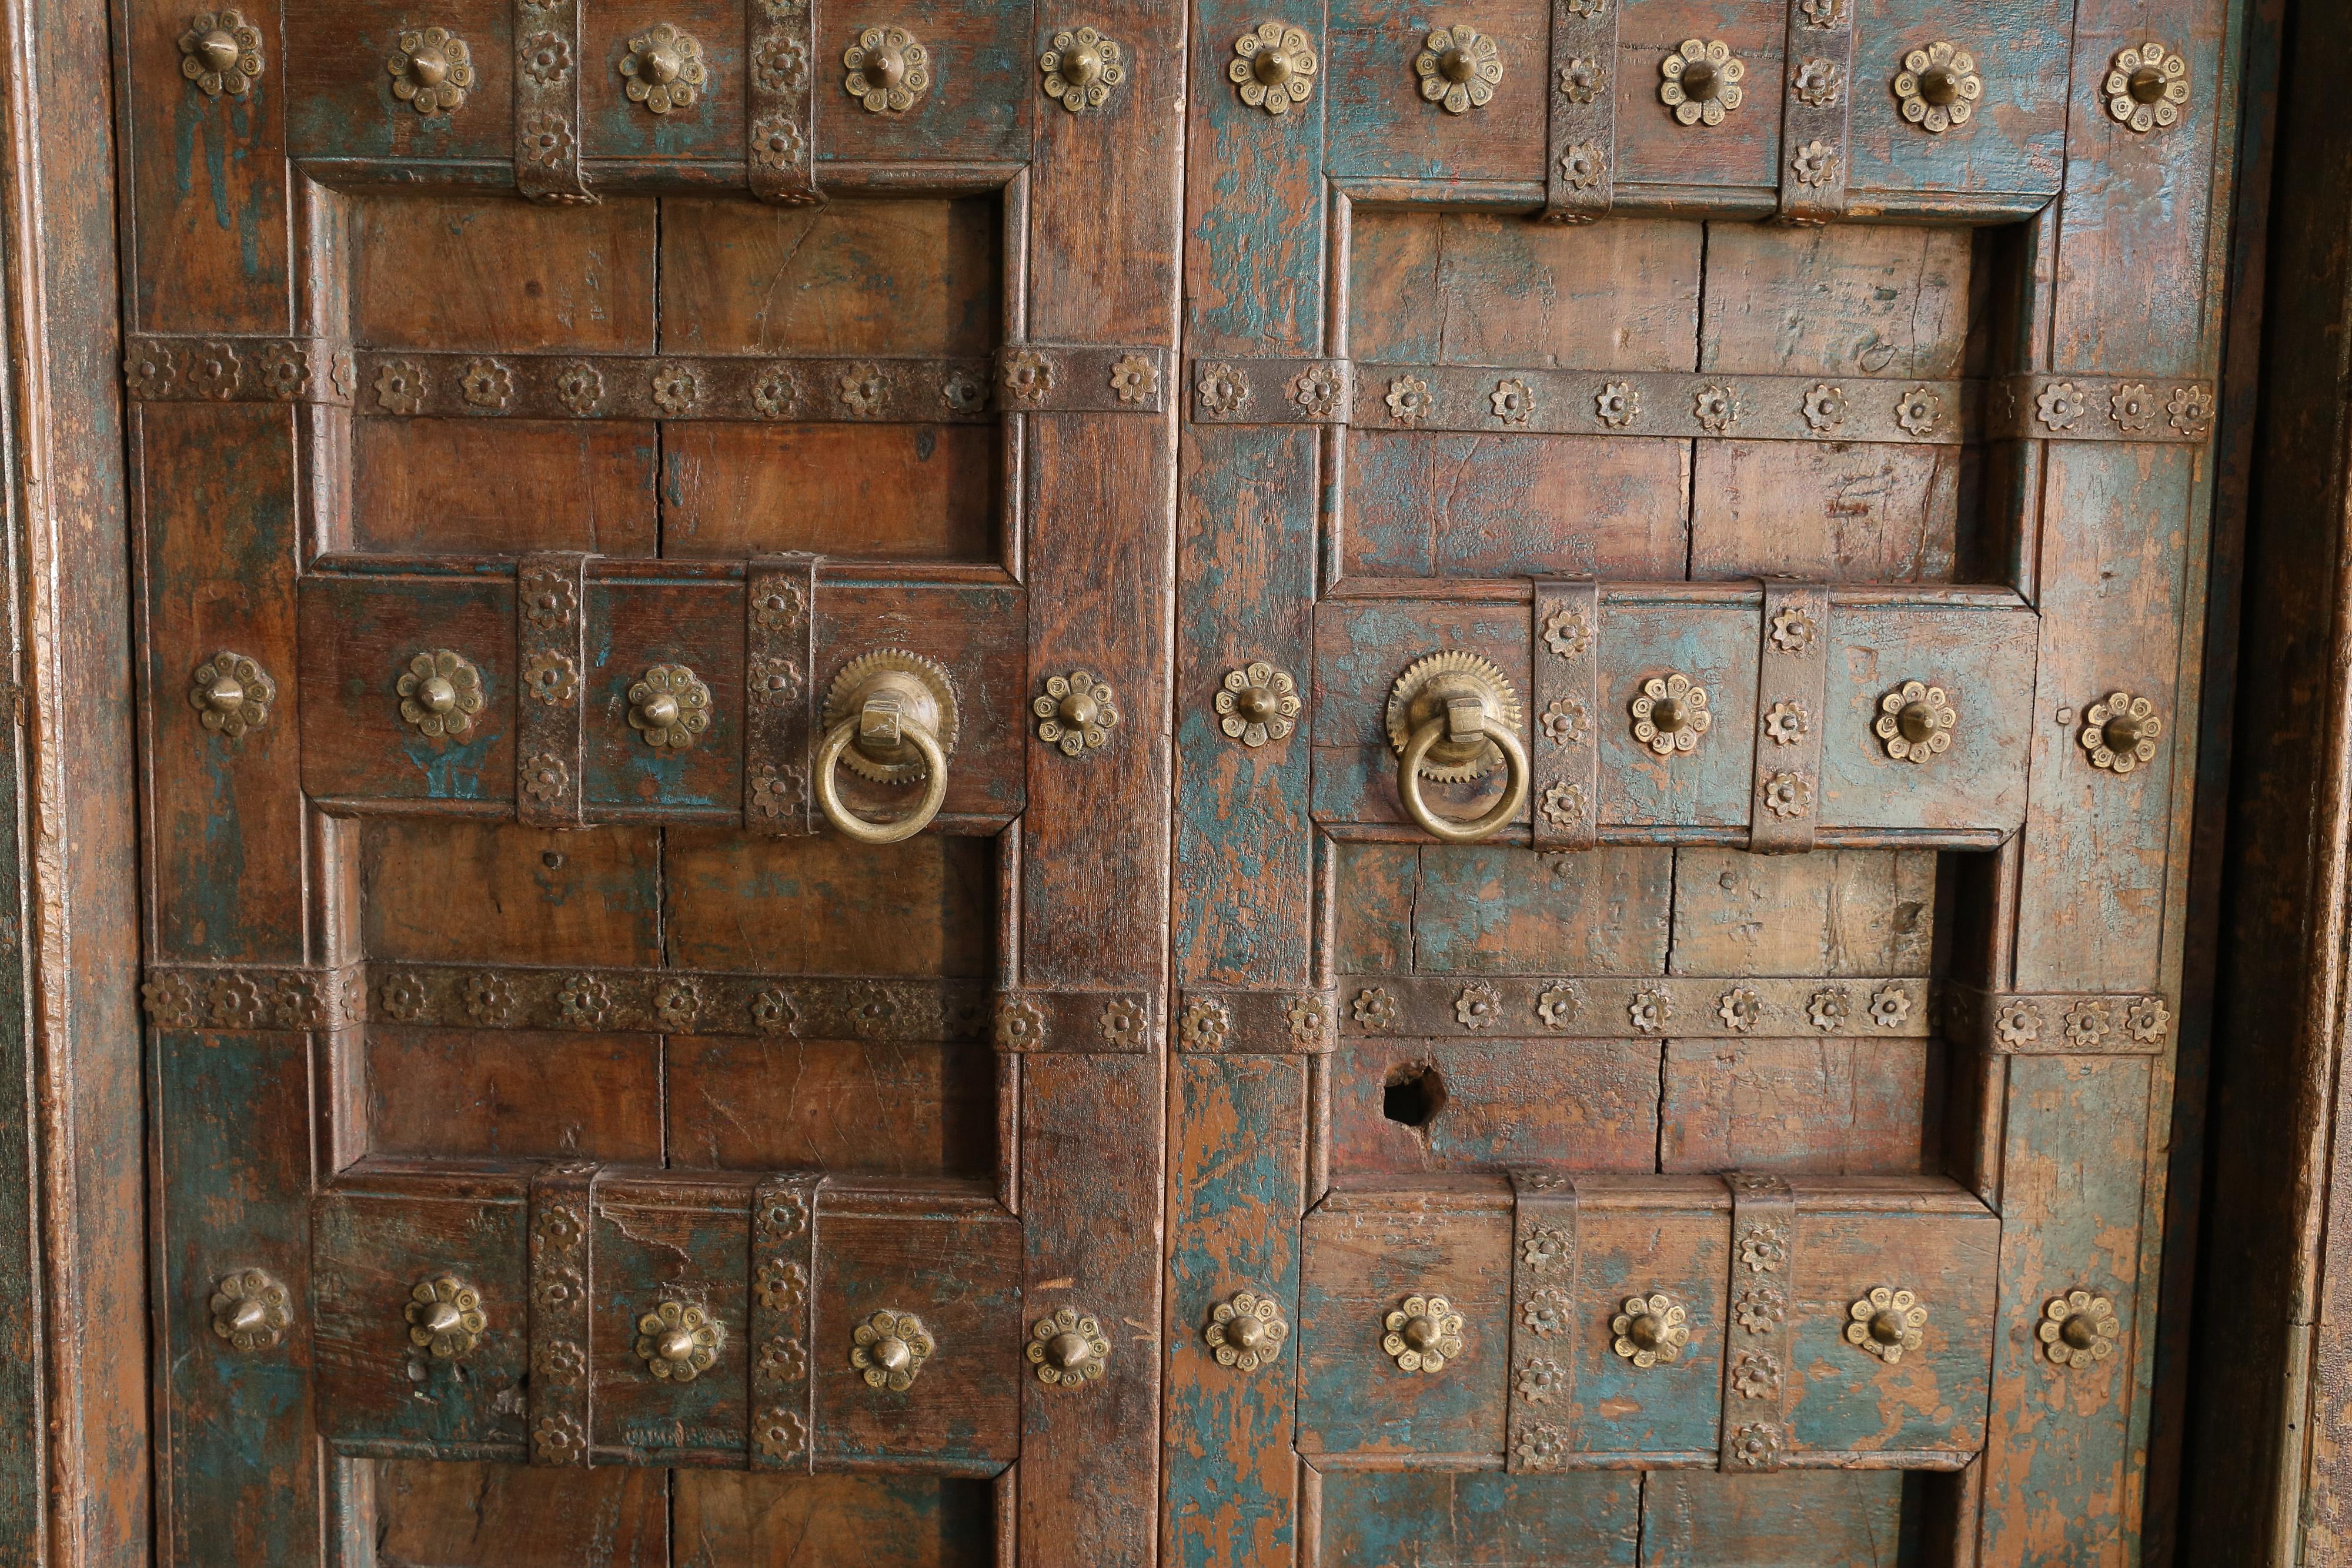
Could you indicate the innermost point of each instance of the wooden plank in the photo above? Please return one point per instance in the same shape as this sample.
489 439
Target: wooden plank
1833 912
898 492
788 1103
1796 1518
514 1093
450 1515
828 905
455 271
1382 126
1592 1521
340 102
467 487
1406 1106
1820 1106
778 1521
360 639
438 890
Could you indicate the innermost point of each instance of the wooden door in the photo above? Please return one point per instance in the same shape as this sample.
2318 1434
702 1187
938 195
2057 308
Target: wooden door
1745 466
601 471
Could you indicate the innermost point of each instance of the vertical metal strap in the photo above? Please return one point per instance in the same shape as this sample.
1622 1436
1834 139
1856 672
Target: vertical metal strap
1548 1321
779 707
1565 657
780 108
1580 177
551 649
1817 111
1762 1342
562 1282
1791 690
783 1317
548 65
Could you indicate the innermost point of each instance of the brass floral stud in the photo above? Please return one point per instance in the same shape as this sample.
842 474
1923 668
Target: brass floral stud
1702 82
1273 67
1460 68
440 693
2078 1329
431 71
1081 69
888 70
1650 1330
1886 1324
665 69
1258 704
1938 86
250 1310
446 1317
1671 713
1067 1348
2146 86
889 1348
669 706
232 693
1246 1331
1915 722
1076 713
221 53
1424 1333
2120 731
678 1341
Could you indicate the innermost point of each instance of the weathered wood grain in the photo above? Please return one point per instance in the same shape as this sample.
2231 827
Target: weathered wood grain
439 1514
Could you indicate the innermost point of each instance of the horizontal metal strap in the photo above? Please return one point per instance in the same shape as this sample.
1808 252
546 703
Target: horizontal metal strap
2057 1023
254 996
1258 1023
1116 1022
1591 1007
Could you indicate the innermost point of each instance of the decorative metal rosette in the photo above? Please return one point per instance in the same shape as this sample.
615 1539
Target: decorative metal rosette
669 706
431 71
446 1317
678 1341
1651 1329
2078 1329
1067 1349
1460 68
1246 1331
1075 713
232 693
1423 1334
2146 86
1938 86
889 1348
888 70
1081 69
1701 81
664 69
2120 732
1273 67
1915 722
1257 703
1671 713
1886 1322
250 1310
440 693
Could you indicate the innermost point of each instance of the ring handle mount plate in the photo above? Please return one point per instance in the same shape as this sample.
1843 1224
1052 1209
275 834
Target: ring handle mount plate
890 717
1452 716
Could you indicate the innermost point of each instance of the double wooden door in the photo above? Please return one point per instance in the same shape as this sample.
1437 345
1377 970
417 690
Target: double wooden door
1321 784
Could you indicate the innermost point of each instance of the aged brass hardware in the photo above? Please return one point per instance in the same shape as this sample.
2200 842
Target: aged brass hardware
665 69
889 1348
889 69
1246 1331
1915 722
2078 1329
1450 716
2120 731
2146 86
446 1317
1067 1348
1651 1329
1886 1324
678 1341
1075 713
1081 69
221 52
431 71
1423 1334
669 706
440 693
232 693
1460 68
1670 714
1938 86
1258 704
1273 67
891 717
251 1310
1702 82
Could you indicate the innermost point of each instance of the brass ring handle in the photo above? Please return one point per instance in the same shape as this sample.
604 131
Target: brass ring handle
828 794
1515 789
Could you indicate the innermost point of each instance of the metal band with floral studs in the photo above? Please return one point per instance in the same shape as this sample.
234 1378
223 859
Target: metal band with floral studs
1246 1331
1081 69
1670 714
889 1348
221 53
888 70
1076 713
1702 82
232 693
431 71
250 1310
1067 1348
2146 86
2078 1329
446 1317
664 69
669 706
1651 1329
678 1341
1915 722
1273 67
440 693
2120 731
1886 1322
1423 1334
1459 69
1938 86
1258 704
